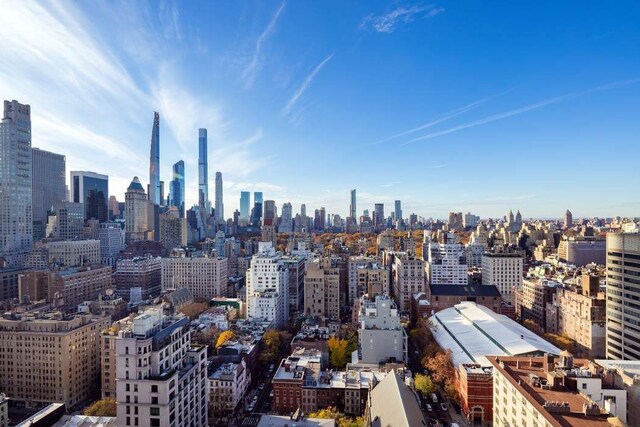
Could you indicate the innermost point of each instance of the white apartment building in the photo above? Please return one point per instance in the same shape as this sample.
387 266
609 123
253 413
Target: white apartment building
447 264
408 274
205 277
504 271
72 253
382 337
228 385
268 286
160 378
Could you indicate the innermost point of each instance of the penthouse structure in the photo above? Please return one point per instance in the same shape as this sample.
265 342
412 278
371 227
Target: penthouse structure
50 357
158 376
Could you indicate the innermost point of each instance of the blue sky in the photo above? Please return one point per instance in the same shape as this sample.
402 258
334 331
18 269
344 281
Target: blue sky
454 105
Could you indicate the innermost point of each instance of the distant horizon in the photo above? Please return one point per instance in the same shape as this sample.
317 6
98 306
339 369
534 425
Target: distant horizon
444 106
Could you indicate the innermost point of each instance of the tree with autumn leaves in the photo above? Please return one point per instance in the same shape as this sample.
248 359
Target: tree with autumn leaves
101 408
341 419
224 337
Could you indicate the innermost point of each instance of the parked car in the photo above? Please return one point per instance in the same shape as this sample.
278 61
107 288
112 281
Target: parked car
261 387
443 406
429 407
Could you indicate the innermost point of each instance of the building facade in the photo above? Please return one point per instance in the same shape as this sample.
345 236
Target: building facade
16 210
623 288
205 277
144 273
504 271
92 190
322 289
48 187
268 286
381 335
50 358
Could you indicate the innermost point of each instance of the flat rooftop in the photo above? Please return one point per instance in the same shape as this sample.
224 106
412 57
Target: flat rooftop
518 375
473 332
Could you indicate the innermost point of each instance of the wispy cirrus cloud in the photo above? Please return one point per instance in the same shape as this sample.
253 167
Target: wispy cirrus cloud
445 117
304 86
250 72
521 110
391 21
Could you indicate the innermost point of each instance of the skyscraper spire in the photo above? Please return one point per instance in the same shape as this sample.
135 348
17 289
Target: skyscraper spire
203 170
154 161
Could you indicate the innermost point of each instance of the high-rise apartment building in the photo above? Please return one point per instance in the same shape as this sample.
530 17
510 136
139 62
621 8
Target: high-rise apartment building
269 209
382 337
159 376
92 190
203 171
144 273
173 229
408 277
322 289
504 271
47 188
219 201
65 289
177 187
69 220
352 206
268 286
623 286
297 271
16 213
568 219
447 264
378 216
398 210
245 202
111 236
136 215
154 162
205 277
286 219
48 358
354 264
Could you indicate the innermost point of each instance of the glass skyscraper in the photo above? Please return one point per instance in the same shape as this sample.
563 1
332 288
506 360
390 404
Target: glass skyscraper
219 198
245 202
16 218
154 162
92 190
177 187
48 187
257 208
203 170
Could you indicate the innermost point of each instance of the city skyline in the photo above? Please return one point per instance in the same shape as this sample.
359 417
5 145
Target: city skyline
483 130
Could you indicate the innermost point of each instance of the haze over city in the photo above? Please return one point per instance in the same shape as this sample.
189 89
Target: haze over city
447 106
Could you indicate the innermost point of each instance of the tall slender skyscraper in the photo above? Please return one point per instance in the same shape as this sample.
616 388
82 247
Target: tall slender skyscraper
154 162
398 210
177 187
16 220
219 199
203 170
352 206
245 202
48 187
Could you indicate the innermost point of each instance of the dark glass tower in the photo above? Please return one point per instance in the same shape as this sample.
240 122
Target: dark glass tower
177 187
